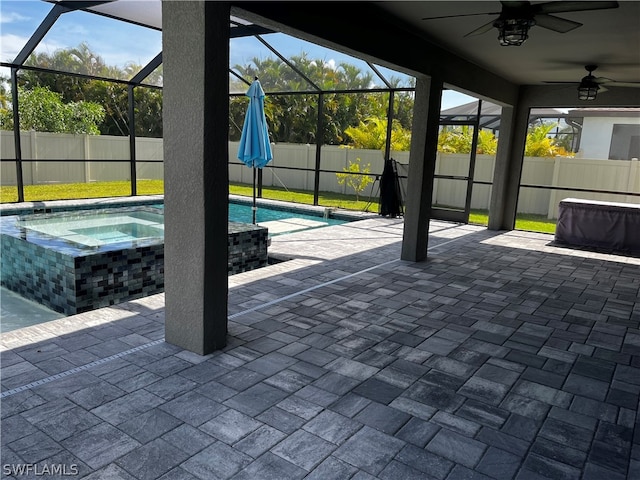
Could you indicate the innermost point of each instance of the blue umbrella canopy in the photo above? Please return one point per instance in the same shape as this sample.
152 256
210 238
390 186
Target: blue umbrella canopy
255 149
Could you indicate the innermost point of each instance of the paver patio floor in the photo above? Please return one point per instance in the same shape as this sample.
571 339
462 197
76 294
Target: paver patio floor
501 356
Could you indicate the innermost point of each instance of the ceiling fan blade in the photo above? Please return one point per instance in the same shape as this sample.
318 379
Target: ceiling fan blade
556 24
461 15
515 4
559 7
621 84
480 30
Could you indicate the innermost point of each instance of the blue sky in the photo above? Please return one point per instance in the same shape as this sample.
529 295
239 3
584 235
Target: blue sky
121 43
118 43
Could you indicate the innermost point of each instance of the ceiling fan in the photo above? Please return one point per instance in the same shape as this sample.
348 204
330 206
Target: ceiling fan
590 85
517 17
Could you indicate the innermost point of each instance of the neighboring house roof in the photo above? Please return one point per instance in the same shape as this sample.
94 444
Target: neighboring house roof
471 108
605 112
490 115
489 109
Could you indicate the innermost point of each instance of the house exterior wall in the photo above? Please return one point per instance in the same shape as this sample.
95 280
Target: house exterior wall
595 141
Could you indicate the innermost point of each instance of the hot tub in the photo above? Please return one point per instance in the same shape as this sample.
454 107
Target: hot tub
77 261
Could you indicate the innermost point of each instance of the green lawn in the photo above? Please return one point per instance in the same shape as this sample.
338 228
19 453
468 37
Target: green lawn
524 221
70 191
325 199
150 187
534 223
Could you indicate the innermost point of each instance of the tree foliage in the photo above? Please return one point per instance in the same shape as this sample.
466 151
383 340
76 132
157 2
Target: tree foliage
540 144
459 139
455 139
42 110
292 110
355 176
355 119
112 96
372 134
5 102
67 103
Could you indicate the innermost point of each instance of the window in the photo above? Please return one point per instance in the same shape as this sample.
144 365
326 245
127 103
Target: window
625 142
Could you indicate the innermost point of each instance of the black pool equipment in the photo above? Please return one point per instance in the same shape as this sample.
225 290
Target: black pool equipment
390 194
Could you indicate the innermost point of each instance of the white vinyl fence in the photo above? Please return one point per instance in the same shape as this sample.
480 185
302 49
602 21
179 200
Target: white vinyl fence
62 146
610 175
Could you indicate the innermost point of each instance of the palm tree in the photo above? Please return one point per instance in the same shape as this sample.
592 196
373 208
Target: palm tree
540 144
4 93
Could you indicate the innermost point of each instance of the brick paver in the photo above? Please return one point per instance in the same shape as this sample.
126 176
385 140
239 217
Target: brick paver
501 356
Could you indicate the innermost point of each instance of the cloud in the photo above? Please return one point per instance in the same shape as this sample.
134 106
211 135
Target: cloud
330 64
49 46
13 17
74 29
11 46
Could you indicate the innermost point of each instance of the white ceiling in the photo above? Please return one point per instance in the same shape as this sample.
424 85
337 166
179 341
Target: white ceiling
608 38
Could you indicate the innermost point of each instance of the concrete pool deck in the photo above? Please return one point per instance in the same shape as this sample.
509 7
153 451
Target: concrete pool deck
501 356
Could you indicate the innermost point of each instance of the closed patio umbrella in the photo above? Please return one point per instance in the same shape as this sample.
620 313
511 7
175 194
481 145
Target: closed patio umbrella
255 150
390 194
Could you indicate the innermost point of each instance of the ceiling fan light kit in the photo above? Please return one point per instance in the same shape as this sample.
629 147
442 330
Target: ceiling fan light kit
588 88
513 31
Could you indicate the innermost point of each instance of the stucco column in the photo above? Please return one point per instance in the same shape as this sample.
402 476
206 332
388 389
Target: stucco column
195 37
422 164
508 168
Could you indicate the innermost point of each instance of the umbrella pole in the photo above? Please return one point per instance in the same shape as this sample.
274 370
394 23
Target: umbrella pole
254 208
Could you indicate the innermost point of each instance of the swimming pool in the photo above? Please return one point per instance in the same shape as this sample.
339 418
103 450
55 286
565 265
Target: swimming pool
279 220
80 260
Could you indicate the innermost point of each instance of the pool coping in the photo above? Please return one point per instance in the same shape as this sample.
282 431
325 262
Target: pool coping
51 206
316 210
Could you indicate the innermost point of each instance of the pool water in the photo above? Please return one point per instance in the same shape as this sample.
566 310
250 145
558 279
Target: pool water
88 230
19 312
240 212
94 229
278 221
120 233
